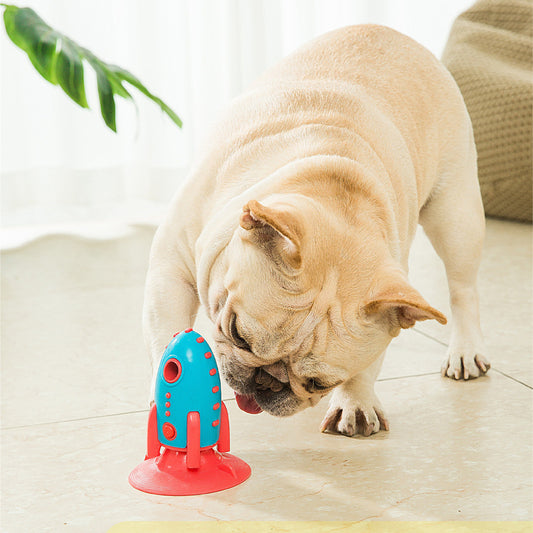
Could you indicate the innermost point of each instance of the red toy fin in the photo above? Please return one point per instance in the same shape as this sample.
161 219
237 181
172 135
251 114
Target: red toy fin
193 440
223 439
153 445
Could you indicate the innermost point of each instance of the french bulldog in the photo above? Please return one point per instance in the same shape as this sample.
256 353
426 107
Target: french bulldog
294 226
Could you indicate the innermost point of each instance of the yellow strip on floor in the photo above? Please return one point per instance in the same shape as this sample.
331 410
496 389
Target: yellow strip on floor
322 527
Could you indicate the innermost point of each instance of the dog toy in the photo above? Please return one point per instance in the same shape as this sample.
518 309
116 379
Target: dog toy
186 422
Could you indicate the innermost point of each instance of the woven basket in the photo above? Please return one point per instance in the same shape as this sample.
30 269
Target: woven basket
489 53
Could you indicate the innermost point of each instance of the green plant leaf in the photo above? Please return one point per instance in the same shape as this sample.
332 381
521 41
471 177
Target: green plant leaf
69 70
132 80
24 29
105 91
60 61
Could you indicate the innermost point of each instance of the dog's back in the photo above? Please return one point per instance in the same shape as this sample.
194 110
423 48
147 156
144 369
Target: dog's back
363 92
404 80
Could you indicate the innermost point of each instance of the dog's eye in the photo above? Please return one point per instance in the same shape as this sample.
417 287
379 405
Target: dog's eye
235 336
313 385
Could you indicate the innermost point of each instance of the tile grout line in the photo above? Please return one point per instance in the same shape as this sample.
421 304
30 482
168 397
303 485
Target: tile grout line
95 417
430 337
409 376
514 379
231 400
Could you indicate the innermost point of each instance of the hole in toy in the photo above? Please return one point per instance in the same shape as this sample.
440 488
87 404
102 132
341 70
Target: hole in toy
172 371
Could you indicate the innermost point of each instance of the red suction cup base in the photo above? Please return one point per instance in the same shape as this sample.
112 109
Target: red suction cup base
168 474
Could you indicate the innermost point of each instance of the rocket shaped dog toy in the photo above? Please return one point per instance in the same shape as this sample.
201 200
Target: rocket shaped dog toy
186 422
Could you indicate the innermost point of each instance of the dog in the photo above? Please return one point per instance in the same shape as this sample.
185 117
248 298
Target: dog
293 228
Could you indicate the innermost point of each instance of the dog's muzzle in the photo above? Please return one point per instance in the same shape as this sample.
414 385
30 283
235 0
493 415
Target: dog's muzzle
259 390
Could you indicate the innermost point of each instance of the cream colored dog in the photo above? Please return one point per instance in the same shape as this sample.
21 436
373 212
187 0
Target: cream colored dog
294 228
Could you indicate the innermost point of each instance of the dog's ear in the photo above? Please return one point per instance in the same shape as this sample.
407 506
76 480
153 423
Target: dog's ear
277 227
392 294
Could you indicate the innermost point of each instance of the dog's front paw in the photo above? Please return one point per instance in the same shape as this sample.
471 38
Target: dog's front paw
350 416
466 364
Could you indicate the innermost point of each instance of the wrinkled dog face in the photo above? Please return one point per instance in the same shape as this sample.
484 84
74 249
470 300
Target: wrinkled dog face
266 343
281 339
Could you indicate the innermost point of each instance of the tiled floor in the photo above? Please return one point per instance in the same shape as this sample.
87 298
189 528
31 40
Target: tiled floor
74 405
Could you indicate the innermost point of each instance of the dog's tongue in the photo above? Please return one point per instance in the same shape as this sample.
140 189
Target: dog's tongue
247 403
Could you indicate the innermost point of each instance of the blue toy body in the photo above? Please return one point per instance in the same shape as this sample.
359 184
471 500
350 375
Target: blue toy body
187 381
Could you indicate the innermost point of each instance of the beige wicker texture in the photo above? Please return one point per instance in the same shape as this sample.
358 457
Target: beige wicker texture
490 54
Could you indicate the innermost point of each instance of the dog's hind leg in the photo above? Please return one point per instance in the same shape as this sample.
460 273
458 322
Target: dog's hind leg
454 221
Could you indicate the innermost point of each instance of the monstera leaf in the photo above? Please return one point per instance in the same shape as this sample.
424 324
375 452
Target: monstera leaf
60 61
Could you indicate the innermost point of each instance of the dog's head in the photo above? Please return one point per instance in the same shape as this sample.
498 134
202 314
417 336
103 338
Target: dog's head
304 303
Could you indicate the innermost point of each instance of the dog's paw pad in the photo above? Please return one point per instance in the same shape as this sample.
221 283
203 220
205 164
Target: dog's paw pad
464 366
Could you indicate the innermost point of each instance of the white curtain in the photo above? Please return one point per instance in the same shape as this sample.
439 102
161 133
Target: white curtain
60 165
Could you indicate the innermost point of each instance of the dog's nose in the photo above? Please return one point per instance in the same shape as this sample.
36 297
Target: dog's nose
278 370
265 381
